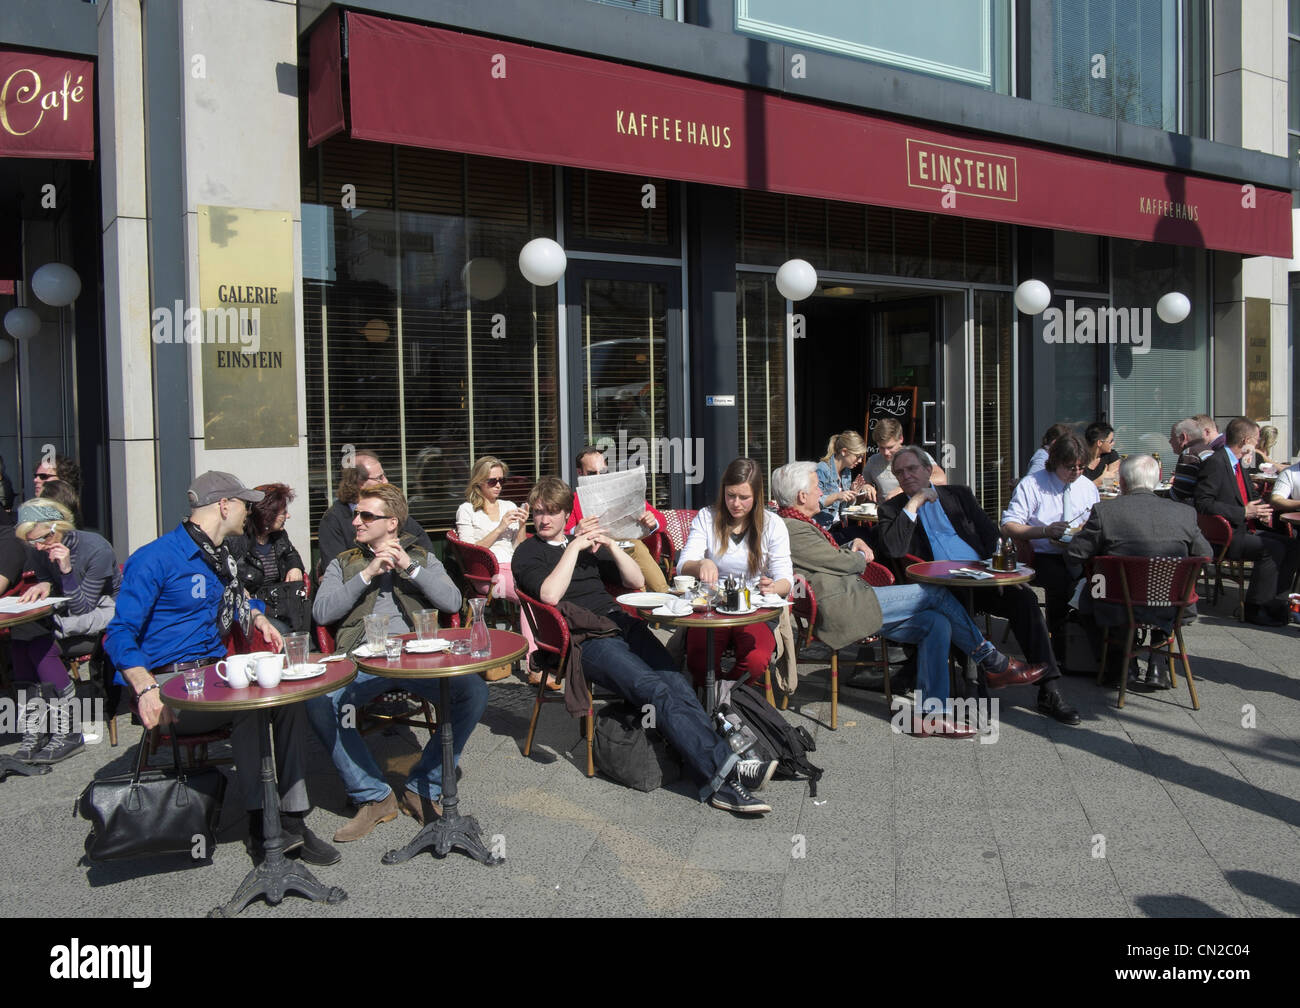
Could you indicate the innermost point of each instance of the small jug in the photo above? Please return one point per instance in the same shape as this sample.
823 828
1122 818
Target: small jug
479 642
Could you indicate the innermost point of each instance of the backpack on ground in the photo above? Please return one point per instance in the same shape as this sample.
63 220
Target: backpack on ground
777 739
629 753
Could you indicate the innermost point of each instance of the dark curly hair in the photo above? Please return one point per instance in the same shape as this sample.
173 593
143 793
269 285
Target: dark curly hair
262 515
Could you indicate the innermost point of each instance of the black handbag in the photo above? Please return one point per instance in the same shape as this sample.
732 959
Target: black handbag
288 602
153 812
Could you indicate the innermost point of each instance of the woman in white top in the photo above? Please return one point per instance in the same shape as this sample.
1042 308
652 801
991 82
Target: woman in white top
488 521
737 538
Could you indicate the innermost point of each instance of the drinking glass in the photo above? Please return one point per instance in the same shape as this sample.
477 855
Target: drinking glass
296 648
376 633
426 624
193 673
393 648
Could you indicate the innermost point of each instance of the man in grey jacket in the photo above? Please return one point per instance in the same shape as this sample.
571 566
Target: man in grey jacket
849 609
386 574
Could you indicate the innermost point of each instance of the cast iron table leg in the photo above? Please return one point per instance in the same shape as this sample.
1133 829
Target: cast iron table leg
276 875
451 829
710 684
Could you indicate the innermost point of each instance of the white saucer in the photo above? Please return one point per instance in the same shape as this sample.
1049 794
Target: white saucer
309 671
427 646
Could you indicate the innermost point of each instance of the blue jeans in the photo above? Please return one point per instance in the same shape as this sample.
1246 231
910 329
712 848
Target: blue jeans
933 619
637 668
356 765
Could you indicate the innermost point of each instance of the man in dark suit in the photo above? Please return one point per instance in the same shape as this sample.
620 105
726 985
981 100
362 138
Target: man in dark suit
1222 489
1138 523
944 523
362 471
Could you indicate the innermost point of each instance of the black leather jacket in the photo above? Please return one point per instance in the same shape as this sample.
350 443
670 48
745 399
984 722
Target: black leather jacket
251 575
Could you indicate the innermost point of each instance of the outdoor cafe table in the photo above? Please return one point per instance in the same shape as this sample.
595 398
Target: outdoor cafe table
8 620
940 572
451 829
708 622
276 875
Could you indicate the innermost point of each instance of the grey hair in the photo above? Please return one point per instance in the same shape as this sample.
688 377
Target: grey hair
790 480
1139 472
916 450
1189 429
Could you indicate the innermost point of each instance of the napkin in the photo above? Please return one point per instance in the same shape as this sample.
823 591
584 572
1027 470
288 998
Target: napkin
677 607
972 573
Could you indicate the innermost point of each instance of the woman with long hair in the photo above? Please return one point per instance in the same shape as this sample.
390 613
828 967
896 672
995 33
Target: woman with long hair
267 561
735 537
844 453
488 521
81 567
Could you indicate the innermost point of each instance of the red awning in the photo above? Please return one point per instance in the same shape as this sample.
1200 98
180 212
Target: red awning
428 87
47 106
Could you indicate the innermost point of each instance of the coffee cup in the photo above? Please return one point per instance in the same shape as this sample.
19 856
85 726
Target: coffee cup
270 670
683 583
237 670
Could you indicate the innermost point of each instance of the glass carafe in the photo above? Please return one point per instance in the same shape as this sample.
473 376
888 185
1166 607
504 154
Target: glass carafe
479 642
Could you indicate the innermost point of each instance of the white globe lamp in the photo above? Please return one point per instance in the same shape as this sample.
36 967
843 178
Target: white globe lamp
542 262
1173 307
22 323
796 279
57 284
1033 296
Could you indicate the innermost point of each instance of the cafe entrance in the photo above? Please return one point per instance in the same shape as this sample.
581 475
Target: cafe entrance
859 343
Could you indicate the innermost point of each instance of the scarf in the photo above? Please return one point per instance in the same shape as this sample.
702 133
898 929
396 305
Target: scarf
234 607
796 514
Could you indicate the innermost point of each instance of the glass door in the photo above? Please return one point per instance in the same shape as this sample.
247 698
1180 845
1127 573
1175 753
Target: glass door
626 373
906 347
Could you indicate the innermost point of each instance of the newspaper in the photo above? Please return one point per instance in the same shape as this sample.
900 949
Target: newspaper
617 499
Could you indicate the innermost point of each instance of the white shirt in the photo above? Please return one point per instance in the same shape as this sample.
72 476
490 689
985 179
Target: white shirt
1040 500
472 524
702 543
1037 462
1288 483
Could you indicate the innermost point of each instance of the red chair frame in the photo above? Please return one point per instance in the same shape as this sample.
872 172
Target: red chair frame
551 635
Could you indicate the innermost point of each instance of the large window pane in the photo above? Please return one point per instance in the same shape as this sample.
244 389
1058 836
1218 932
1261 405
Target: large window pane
963 40
423 341
761 366
624 367
994 472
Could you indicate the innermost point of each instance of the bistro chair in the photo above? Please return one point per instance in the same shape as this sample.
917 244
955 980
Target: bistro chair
803 612
677 526
1155 582
551 635
479 568
1218 533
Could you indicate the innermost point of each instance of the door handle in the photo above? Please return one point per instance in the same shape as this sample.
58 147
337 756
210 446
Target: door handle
925 424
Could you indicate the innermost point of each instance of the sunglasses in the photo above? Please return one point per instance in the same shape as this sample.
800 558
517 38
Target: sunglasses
368 516
1075 468
493 481
44 476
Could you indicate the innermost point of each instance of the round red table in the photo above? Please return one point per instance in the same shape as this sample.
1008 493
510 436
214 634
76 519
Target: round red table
451 829
276 875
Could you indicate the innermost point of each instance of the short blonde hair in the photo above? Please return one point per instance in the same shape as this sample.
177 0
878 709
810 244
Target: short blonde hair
61 524
886 429
394 500
849 440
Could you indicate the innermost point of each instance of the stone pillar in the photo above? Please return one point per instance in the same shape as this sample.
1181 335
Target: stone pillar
1250 111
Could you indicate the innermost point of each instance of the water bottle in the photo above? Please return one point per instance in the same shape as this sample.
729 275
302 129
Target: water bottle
738 737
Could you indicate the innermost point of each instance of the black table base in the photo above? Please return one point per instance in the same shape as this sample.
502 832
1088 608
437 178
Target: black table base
276 876
8 765
451 830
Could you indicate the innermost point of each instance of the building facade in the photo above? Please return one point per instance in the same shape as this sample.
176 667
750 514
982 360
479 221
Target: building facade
301 225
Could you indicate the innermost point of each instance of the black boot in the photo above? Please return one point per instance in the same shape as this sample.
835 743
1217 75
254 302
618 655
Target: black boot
63 742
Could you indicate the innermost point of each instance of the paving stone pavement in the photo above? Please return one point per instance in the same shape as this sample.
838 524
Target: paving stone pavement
1151 811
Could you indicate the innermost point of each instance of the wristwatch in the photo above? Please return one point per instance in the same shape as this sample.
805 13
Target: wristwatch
412 569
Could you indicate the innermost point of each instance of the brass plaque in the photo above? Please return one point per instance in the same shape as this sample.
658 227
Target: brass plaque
1259 400
250 364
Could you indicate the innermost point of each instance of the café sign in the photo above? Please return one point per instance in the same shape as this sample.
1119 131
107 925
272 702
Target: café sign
47 106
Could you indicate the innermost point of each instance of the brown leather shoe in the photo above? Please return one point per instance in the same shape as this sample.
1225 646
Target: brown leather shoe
1017 673
419 807
368 816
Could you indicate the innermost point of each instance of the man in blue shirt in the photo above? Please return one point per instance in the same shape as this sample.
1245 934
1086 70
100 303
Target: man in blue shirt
945 523
178 599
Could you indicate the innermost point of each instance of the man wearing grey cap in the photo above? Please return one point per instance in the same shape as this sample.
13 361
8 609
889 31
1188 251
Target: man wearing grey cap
179 599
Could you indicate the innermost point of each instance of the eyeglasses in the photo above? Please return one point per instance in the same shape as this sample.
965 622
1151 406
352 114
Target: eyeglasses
1080 467
37 540
376 478
493 481
41 477
368 516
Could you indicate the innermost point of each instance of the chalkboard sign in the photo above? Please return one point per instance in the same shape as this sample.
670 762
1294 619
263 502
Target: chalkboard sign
893 403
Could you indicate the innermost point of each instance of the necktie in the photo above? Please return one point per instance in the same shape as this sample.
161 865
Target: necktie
1241 489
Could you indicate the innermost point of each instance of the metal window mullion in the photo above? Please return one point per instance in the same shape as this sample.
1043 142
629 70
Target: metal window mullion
650 336
325 386
401 378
